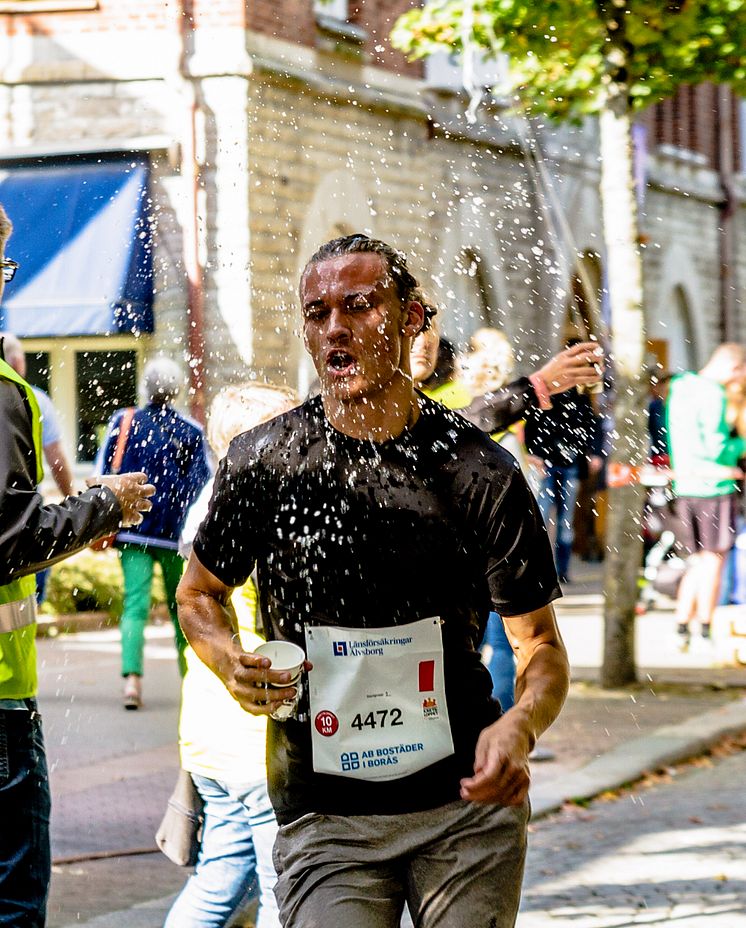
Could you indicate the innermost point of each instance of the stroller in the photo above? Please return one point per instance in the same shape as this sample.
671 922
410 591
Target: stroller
662 566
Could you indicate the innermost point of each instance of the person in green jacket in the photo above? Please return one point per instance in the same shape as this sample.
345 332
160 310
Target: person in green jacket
33 536
704 460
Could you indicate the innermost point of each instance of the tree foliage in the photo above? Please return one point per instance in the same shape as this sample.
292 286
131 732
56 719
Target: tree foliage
570 58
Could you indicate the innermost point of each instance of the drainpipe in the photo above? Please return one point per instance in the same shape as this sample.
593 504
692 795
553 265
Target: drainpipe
190 174
728 206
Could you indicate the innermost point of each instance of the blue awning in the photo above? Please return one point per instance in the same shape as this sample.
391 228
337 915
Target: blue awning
82 237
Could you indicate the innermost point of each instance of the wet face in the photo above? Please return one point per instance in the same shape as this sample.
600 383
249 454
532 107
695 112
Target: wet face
355 326
424 357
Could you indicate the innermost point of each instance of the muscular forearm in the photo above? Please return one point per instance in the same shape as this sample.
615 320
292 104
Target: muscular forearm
541 688
501 766
209 627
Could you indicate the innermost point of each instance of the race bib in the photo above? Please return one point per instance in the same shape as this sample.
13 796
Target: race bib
377 700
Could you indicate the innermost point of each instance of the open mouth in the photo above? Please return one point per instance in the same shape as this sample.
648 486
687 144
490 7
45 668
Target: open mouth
340 361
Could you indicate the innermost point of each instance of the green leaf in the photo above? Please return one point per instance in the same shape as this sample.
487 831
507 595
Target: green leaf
566 59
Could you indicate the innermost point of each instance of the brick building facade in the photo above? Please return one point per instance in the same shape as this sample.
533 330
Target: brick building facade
268 126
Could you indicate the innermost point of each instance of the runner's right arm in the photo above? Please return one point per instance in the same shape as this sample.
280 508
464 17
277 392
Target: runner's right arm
209 627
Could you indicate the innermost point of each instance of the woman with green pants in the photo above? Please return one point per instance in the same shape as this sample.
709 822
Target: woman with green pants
171 450
138 563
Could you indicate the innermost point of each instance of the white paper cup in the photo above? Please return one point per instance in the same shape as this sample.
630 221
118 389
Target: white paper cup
286 657
289 658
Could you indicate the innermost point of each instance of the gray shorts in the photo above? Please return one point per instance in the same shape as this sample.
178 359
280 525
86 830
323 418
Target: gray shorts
455 866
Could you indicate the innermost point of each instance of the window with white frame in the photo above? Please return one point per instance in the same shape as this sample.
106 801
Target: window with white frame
87 379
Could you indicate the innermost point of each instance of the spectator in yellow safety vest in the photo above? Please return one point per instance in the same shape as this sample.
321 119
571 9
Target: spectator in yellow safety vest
33 536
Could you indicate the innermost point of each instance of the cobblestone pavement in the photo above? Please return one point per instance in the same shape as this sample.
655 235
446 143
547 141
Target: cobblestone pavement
672 854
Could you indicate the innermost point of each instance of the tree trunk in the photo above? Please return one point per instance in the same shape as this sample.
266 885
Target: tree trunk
629 449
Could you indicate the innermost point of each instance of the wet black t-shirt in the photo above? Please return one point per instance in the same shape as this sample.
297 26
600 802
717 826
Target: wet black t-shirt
437 522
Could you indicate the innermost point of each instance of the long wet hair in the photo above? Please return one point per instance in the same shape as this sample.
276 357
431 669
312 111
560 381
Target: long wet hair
407 286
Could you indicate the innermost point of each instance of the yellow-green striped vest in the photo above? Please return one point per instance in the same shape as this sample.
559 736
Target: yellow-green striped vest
18 678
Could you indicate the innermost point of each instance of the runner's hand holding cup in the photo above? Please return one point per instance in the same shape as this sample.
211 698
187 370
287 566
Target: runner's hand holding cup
289 660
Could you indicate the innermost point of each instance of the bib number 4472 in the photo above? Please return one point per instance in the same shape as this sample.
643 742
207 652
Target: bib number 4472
380 718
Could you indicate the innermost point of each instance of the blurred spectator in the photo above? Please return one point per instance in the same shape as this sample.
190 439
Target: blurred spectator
222 746
496 411
171 449
486 368
51 432
434 369
32 536
564 445
659 385
704 459
499 407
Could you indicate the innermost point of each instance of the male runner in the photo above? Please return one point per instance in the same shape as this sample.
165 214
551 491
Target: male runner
384 529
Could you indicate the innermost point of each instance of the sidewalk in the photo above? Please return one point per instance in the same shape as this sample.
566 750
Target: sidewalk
114 770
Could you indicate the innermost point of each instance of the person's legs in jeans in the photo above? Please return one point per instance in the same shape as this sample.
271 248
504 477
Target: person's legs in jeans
226 866
548 494
25 861
497 655
255 801
42 579
568 484
172 567
550 506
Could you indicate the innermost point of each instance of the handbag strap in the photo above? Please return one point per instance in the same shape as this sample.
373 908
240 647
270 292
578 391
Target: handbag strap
124 431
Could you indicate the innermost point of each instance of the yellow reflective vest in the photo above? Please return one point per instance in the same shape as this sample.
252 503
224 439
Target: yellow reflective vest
18 678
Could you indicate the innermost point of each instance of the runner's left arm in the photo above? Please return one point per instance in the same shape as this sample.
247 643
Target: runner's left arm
523 583
501 766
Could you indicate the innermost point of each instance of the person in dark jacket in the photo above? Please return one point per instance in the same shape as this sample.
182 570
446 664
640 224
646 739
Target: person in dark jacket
33 536
563 443
172 450
578 365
